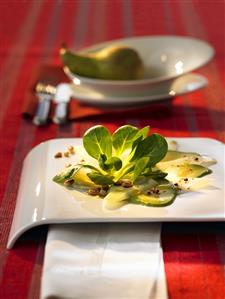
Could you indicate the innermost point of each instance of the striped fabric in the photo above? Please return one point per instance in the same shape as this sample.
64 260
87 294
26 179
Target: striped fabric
31 33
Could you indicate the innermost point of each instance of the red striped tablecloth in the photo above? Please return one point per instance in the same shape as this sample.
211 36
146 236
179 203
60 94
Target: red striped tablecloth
31 33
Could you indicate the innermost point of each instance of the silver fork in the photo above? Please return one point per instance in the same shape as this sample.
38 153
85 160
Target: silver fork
45 93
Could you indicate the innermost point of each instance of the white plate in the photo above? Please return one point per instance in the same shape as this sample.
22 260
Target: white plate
41 201
184 84
165 58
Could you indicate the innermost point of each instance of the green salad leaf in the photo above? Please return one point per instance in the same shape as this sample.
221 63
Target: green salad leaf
100 179
155 147
123 138
97 140
143 133
140 167
127 137
142 152
109 164
114 163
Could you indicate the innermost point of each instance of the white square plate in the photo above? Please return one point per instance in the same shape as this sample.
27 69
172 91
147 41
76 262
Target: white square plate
41 201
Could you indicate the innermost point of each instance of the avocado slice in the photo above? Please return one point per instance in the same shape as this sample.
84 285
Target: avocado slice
146 192
144 183
162 195
177 157
174 155
116 197
77 173
187 170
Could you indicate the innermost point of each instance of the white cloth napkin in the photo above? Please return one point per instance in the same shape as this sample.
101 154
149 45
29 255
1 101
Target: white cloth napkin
104 261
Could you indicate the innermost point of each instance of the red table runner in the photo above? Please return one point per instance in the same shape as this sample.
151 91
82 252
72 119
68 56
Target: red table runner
30 35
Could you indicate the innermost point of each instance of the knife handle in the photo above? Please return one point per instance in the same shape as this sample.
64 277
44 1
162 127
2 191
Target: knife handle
60 116
41 116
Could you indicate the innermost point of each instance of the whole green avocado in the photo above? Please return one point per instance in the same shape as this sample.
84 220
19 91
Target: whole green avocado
110 63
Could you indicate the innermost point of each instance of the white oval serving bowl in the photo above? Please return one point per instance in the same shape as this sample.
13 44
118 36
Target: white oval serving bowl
165 58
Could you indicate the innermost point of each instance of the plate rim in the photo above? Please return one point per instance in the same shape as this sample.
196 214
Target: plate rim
108 100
